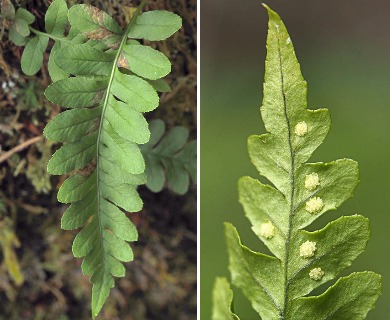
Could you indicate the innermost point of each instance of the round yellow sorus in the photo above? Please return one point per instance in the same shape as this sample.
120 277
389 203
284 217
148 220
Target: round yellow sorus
267 230
314 205
312 181
307 249
301 129
316 274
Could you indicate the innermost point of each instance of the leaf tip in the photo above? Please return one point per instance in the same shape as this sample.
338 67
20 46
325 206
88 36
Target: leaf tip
270 11
265 6
273 16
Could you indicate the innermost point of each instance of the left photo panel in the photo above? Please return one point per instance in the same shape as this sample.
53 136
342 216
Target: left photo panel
98 159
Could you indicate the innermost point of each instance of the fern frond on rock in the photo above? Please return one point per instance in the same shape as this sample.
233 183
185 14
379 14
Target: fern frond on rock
278 286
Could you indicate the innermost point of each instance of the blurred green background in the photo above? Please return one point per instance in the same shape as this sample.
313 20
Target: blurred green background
344 51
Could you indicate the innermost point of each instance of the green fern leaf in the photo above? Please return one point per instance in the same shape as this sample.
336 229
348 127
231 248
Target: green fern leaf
72 125
55 23
102 132
160 85
32 57
56 18
172 154
277 286
155 25
15 37
55 72
145 61
349 298
25 15
21 26
223 299
85 60
20 22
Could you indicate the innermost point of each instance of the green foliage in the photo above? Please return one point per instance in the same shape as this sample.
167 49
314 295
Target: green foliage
106 137
223 299
56 18
19 21
278 286
103 76
155 26
55 22
169 157
145 61
32 57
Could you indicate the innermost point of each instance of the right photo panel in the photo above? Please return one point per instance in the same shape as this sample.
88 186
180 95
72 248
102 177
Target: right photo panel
294 210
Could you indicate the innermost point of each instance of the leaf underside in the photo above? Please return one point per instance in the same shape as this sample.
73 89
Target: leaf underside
278 286
102 131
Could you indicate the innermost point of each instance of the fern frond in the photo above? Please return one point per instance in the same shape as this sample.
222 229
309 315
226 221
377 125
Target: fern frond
169 157
55 24
277 286
101 132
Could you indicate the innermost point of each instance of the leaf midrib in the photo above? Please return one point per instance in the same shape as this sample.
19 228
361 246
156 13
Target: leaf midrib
292 178
105 104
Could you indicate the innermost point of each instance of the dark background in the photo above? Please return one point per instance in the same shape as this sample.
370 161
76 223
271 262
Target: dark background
344 51
161 281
